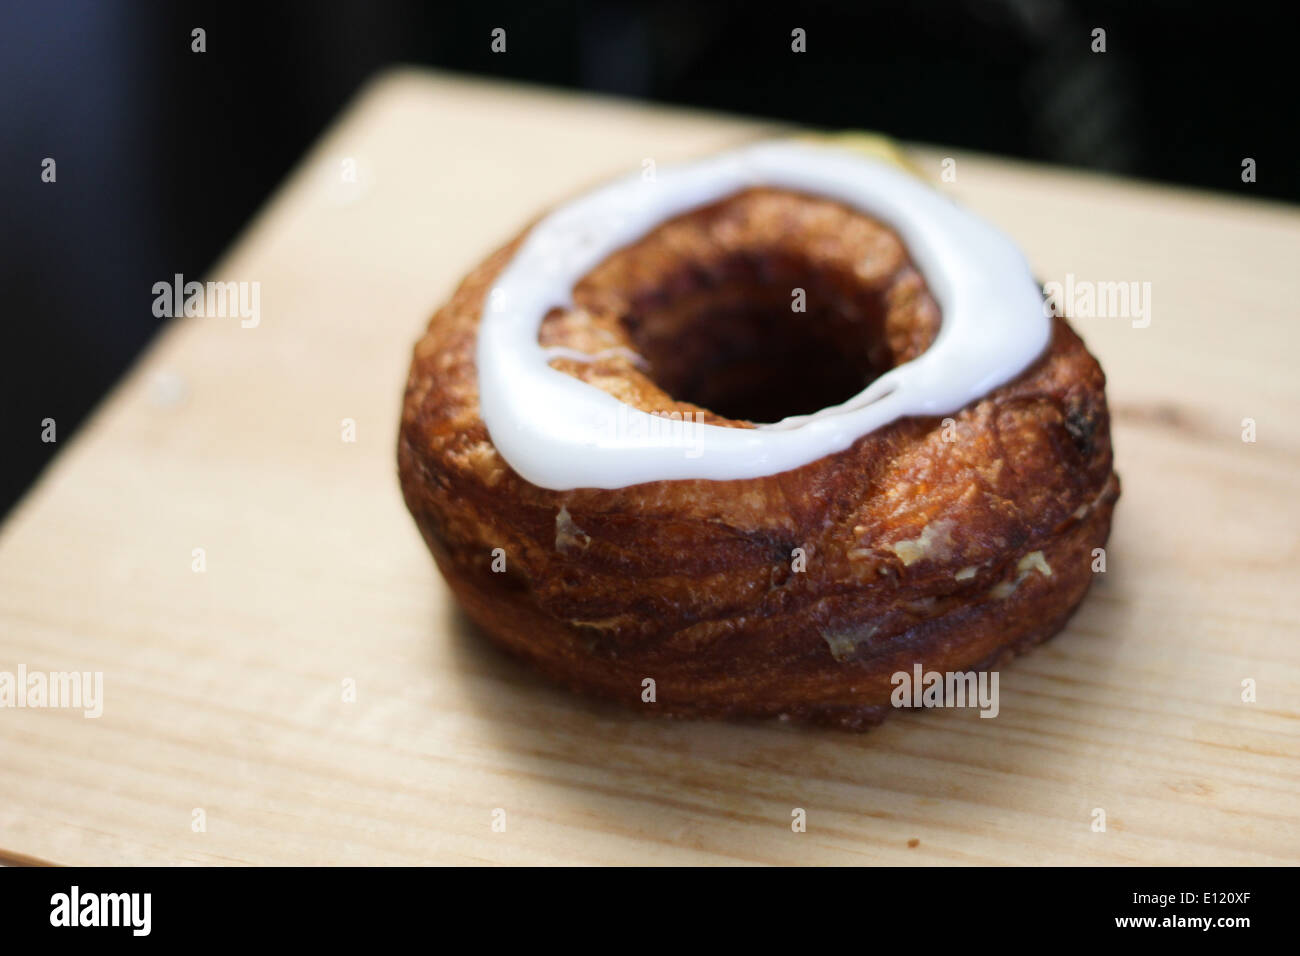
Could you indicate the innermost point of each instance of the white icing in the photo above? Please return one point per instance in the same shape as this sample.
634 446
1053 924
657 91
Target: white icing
561 433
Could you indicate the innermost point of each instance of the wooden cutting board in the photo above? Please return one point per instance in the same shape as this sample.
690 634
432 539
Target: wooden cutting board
223 691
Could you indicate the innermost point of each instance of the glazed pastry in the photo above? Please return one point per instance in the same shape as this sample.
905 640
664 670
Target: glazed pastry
764 431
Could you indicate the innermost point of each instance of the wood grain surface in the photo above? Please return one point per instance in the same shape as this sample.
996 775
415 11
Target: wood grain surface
223 690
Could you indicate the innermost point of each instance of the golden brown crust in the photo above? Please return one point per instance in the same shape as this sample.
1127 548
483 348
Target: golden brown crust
923 542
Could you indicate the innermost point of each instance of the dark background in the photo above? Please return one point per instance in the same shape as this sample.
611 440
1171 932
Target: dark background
163 153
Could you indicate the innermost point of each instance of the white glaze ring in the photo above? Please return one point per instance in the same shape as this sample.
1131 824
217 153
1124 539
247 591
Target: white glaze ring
555 430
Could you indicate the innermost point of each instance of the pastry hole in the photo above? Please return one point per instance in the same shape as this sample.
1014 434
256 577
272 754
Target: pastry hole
729 338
